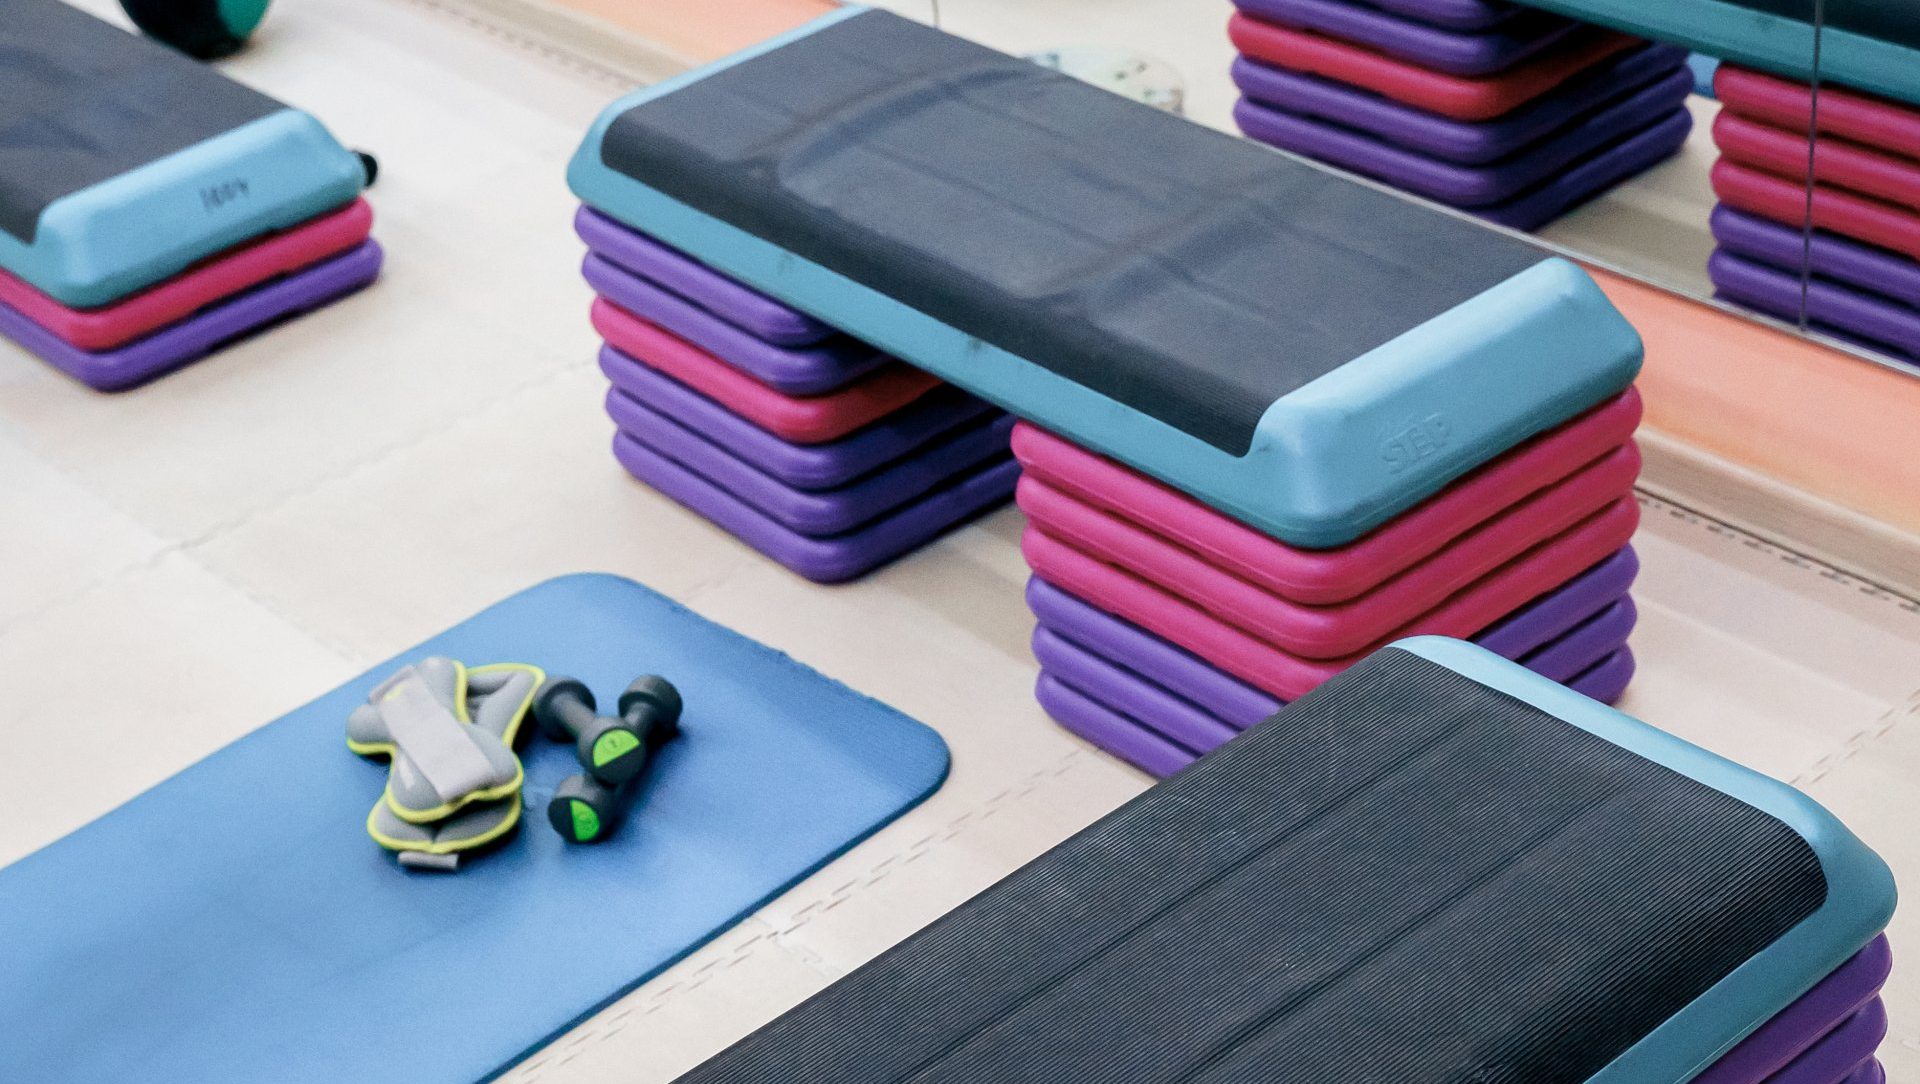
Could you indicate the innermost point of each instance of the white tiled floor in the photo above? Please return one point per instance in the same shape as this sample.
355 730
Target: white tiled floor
221 546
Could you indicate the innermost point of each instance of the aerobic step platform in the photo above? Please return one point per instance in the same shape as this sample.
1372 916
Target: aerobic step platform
122 162
812 447
152 210
1437 868
215 931
1517 122
1251 330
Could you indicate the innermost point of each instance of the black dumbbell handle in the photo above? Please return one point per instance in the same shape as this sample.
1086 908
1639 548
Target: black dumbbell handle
574 713
651 706
568 703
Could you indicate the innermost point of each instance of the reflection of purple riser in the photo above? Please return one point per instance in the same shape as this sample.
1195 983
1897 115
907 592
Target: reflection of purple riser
1875 270
1468 186
749 309
1459 52
1197 706
826 560
1861 314
1575 185
1789 313
820 513
802 466
205 331
804 370
1459 141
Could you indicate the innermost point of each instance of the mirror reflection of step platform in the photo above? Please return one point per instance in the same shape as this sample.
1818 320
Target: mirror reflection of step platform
1517 119
153 210
1861 263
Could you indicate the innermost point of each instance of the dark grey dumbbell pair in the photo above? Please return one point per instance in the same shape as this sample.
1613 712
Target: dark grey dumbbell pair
614 750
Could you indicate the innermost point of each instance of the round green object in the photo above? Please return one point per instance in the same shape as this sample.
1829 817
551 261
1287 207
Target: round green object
205 29
242 16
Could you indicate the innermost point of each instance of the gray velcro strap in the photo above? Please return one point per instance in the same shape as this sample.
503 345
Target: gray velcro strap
439 746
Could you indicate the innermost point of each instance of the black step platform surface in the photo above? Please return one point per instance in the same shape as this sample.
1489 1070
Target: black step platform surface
1408 876
82 101
1057 221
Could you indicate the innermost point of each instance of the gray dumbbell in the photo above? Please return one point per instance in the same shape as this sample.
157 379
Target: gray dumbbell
585 808
611 748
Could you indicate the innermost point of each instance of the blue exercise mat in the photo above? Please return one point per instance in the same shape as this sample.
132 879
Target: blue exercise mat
235 924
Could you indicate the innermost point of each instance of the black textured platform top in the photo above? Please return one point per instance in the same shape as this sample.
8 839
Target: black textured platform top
1057 221
1407 876
82 102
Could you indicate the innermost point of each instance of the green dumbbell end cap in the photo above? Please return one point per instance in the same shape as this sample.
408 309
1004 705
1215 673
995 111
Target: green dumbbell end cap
613 745
586 823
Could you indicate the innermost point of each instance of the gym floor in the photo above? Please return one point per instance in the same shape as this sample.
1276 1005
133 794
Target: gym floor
192 559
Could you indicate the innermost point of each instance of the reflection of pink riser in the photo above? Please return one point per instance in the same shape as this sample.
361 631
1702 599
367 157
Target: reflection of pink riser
1320 577
1758 192
1483 561
1840 164
1851 114
1286 675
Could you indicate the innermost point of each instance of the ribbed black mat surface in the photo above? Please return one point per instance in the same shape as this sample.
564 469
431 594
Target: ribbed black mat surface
1405 877
1192 276
82 101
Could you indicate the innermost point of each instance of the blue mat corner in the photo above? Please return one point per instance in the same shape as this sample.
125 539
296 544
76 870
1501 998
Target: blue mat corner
235 924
